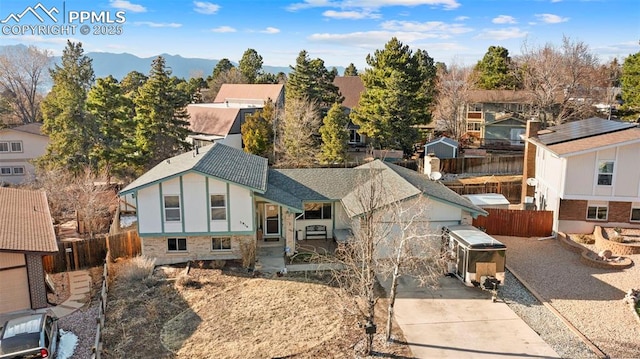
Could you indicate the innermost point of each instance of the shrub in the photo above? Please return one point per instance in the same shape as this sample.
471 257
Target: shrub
186 281
617 239
585 239
248 252
137 268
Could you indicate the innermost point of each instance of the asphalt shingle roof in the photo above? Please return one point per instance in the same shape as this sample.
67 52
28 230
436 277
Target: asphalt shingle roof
217 160
26 221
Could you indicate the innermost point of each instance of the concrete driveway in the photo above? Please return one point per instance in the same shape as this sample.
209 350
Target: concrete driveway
456 321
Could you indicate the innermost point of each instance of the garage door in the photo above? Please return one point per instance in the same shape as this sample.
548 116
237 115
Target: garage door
14 285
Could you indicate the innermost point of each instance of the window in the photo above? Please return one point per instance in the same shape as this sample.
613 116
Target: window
354 136
171 208
597 212
13 146
475 107
218 207
5 171
16 146
635 214
18 171
474 126
605 173
176 244
221 244
317 211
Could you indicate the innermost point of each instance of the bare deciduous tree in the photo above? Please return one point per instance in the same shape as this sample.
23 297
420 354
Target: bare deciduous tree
453 85
297 139
392 237
21 79
564 81
231 76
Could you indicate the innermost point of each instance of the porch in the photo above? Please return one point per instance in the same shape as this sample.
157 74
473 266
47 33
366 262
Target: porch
271 255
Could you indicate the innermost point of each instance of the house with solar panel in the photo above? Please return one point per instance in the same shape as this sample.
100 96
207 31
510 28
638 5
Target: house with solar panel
586 172
208 203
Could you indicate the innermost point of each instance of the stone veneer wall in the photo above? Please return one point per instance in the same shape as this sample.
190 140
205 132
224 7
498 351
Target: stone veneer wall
37 289
621 249
198 248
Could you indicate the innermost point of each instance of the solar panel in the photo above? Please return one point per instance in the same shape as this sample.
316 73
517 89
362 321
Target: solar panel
581 129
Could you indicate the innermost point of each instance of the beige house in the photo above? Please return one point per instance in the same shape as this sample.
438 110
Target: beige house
586 172
26 234
19 146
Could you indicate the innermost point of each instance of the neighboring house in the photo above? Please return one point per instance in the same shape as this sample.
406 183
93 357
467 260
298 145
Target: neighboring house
351 88
586 172
251 94
217 122
19 146
442 147
498 117
26 234
205 204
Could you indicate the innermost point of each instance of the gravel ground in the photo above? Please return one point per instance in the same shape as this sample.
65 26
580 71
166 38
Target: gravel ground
590 298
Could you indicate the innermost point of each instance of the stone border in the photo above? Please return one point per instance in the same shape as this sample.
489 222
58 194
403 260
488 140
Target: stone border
586 255
615 247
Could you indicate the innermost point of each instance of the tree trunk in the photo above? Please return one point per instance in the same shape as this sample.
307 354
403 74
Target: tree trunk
392 301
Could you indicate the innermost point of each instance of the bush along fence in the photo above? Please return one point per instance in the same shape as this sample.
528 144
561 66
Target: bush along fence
97 345
85 253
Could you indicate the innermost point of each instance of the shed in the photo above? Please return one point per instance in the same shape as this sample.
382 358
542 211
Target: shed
488 200
473 254
442 147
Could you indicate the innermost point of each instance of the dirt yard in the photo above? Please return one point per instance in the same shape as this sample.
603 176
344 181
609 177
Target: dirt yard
214 313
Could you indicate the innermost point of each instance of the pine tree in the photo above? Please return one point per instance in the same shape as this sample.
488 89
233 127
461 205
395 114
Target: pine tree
70 129
396 97
251 65
351 70
495 71
161 117
630 81
334 135
111 110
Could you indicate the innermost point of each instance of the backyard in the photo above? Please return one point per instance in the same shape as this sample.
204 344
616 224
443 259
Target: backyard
229 313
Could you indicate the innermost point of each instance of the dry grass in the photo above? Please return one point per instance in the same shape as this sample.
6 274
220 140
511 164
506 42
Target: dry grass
136 269
227 314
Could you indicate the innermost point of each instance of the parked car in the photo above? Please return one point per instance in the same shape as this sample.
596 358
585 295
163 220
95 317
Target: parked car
30 336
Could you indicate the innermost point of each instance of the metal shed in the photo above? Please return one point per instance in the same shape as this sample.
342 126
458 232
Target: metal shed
473 254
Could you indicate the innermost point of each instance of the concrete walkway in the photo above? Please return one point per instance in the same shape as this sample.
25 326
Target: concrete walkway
79 293
270 257
456 321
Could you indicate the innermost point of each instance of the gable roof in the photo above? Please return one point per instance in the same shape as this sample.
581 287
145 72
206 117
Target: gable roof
217 160
351 88
34 128
211 120
26 221
586 135
507 118
446 140
240 92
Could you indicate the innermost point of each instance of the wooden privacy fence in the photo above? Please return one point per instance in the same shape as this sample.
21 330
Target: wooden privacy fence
97 344
518 223
510 190
85 253
480 165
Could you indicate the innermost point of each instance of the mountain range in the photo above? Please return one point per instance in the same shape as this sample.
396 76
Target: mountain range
119 65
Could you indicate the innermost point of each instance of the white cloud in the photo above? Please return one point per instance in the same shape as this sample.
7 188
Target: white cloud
437 28
350 15
370 39
127 5
270 30
502 34
204 7
462 18
223 29
504 19
371 4
158 24
551 18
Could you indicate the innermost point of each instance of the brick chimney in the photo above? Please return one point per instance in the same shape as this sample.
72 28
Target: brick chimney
529 168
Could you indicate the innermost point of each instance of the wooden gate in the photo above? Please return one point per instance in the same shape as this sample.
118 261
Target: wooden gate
517 223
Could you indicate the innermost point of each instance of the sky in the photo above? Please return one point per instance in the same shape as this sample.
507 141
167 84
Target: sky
339 32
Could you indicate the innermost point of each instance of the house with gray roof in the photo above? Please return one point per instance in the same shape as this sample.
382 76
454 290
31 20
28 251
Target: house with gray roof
204 204
19 146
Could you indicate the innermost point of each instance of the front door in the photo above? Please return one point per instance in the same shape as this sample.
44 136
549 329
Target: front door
271 219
